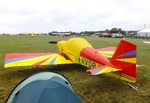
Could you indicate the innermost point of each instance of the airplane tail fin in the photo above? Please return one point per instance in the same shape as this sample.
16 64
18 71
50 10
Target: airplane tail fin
125 59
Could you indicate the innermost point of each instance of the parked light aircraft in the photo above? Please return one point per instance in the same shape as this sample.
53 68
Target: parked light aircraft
117 62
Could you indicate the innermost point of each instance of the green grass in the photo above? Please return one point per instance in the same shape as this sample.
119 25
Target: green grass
92 89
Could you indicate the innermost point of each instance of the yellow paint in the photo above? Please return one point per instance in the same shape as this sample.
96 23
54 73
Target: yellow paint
105 55
60 45
86 62
127 78
61 60
129 60
51 57
108 70
29 62
73 46
121 76
106 52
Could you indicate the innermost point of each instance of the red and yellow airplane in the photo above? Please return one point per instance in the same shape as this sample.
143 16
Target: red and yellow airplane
117 62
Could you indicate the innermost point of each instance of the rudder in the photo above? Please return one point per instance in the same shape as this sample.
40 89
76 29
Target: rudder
125 59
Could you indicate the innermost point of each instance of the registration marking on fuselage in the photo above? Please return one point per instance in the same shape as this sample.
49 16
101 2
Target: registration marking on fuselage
86 62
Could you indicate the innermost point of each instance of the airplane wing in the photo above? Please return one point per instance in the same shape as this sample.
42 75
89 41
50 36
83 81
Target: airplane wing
102 70
107 52
34 59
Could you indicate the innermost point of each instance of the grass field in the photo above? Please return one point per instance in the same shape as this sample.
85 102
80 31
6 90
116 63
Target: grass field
92 89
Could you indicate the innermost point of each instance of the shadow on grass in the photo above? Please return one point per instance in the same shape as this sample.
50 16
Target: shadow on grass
75 73
27 71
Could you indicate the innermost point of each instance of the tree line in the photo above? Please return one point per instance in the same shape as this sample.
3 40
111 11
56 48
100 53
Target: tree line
116 30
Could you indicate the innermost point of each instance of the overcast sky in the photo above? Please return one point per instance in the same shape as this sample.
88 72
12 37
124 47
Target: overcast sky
72 15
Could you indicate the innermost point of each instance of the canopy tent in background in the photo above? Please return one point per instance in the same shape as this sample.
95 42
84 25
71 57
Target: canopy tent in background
145 32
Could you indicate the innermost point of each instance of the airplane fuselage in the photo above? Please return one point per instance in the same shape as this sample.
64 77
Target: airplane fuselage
81 51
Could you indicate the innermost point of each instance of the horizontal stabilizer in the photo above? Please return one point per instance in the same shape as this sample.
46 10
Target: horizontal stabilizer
102 70
107 52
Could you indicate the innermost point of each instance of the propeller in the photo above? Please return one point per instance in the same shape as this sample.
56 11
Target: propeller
52 42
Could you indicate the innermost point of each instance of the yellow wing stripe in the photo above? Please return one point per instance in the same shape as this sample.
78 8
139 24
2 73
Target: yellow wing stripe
45 60
59 60
27 62
50 59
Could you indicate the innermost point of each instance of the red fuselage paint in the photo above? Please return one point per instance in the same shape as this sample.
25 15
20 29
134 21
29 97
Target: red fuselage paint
92 54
